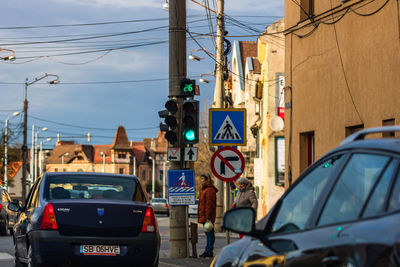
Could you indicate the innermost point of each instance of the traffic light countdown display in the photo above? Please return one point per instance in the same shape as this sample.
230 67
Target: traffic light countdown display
190 122
188 87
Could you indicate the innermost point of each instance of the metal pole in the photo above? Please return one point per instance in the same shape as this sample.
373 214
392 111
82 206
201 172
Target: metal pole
163 180
153 178
177 70
104 162
24 146
219 96
36 160
41 158
62 163
134 165
6 156
32 154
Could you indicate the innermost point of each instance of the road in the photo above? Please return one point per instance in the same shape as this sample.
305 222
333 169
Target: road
7 247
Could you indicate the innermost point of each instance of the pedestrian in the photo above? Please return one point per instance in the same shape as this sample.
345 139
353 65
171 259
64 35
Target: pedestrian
246 197
207 210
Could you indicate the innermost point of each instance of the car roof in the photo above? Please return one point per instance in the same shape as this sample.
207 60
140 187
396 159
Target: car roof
88 174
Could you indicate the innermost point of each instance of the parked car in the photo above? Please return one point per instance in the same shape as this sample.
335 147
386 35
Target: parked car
160 205
193 208
7 217
344 210
71 219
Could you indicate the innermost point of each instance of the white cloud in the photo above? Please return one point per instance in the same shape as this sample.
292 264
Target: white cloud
116 3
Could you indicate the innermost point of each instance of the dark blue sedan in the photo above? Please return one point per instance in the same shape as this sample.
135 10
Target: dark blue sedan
86 219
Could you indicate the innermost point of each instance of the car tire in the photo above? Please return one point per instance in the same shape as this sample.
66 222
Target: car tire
18 263
4 229
32 263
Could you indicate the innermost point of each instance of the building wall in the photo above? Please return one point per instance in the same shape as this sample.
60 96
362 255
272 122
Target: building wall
339 75
271 57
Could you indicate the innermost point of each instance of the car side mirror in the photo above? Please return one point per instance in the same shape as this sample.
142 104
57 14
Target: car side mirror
240 220
13 207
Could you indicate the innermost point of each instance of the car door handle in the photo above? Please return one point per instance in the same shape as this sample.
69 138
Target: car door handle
331 260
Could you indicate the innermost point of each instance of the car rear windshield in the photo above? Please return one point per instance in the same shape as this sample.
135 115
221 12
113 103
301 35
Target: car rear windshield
93 187
159 200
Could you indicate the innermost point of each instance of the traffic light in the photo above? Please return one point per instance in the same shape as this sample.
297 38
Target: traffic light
188 87
170 125
190 122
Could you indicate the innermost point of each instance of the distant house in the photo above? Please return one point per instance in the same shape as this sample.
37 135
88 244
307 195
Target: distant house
122 156
14 171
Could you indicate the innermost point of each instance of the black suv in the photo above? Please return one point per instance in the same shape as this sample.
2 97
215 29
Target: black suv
344 210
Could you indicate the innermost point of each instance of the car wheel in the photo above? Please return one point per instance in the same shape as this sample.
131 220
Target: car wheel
32 263
4 229
18 263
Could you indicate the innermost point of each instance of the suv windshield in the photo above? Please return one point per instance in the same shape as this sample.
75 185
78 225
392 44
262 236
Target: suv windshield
93 187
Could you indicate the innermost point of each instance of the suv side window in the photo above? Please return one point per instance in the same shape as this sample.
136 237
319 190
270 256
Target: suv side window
352 188
377 200
394 203
299 203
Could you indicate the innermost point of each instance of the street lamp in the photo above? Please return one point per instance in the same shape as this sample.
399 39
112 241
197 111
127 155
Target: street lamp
104 160
204 80
153 174
10 57
6 149
62 160
24 145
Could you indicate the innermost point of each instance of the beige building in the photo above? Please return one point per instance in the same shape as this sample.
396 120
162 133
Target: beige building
342 68
270 165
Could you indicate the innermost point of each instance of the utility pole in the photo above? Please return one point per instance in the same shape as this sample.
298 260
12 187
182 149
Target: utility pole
219 95
6 155
24 145
178 219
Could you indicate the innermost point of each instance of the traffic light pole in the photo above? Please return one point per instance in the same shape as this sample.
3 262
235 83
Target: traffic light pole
219 96
178 219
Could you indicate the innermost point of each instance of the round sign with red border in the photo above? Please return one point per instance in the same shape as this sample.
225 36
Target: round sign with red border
227 164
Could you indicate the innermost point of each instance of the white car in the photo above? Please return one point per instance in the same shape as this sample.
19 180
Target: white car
193 208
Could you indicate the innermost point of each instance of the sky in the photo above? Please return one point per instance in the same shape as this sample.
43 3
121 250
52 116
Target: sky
111 58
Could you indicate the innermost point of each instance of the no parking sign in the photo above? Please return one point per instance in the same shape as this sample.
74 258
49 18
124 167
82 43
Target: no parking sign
227 164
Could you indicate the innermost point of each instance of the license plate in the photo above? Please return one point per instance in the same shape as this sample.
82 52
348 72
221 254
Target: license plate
103 250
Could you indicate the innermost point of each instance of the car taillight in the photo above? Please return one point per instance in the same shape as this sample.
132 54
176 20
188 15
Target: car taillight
149 221
0 207
49 221
166 205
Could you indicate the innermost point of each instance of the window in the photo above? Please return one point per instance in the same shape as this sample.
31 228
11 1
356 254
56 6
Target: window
306 9
379 192
394 203
161 174
307 150
388 123
280 160
352 129
352 188
121 155
121 170
298 205
55 169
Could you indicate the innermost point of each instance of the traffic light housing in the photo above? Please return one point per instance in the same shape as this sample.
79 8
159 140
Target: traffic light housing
170 125
190 122
188 87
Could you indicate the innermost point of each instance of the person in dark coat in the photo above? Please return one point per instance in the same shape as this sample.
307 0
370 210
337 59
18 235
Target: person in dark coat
207 210
246 197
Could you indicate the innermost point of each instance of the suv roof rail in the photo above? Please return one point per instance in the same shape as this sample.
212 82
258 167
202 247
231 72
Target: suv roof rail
361 134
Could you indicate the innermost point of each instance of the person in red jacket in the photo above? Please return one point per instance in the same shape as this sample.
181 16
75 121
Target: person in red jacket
207 210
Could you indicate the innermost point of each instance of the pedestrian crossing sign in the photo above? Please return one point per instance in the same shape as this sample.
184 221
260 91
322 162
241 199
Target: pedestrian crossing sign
227 126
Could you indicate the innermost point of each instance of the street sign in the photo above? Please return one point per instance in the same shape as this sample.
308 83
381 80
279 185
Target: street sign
227 164
181 187
190 153
227 127
174 154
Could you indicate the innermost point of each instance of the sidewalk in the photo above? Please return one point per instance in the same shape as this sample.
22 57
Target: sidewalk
220 242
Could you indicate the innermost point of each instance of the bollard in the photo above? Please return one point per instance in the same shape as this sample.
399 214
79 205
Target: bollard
193 238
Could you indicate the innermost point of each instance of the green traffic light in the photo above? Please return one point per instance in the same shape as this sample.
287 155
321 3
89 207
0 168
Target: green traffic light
190 135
